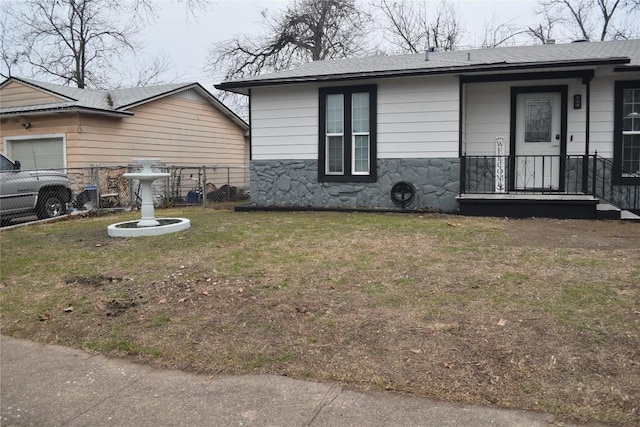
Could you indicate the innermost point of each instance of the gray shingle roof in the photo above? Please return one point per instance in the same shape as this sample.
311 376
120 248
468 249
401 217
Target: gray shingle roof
114 101
553 55
108 100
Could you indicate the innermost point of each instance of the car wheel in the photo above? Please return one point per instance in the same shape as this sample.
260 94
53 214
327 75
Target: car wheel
50 205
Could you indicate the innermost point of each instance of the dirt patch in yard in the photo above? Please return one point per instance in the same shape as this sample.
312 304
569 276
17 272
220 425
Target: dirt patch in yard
533 314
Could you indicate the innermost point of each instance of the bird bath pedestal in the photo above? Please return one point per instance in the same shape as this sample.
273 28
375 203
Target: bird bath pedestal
146 176
148 225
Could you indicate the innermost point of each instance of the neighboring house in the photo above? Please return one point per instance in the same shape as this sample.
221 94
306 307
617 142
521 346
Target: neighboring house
504 131
45 125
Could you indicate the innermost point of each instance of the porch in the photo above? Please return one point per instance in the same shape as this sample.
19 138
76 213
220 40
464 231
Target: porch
579 186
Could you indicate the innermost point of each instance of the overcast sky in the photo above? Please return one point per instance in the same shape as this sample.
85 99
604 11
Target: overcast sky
187 42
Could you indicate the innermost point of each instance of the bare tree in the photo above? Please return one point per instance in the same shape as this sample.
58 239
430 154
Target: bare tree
595 19
152 72
149 8
499 34
75 41
308 30
10 55
81 42
410 30
542 32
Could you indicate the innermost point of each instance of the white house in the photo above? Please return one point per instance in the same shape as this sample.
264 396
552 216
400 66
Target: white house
551 130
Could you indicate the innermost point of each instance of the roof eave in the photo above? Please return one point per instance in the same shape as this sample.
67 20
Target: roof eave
226 110
35 86
242 86
200 89
65 110
157 96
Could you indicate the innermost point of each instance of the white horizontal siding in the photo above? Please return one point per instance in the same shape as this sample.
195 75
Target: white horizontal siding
401 118
486 116
267 124
407 150
284 123
576 119
602 106
418 118
601 129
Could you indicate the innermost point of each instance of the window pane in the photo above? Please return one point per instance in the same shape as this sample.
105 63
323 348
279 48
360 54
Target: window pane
631 110
335 155
537 121
627 96
335 113
360 113
361 153
631 154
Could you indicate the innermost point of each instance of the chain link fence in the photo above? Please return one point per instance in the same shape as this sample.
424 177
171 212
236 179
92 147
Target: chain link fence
105 187
44 194
188 185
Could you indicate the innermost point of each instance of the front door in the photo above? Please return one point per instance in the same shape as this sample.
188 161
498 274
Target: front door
538 141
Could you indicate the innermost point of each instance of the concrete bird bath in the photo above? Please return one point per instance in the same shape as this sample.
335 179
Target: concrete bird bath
148 225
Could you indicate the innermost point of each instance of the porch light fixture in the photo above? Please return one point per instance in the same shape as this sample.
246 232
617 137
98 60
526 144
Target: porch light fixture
577 102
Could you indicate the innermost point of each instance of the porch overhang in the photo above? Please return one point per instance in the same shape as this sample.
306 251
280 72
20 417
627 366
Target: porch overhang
585 74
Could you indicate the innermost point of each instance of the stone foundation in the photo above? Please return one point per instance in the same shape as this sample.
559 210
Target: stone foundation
294 183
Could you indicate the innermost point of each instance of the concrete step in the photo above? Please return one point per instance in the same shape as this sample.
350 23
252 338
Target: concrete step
607 211
629 216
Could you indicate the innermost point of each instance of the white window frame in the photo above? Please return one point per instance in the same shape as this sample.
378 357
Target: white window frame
355 134
328 157
334 134
353 153
627 133
348 135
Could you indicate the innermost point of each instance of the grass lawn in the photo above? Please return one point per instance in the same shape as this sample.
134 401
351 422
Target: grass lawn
534 314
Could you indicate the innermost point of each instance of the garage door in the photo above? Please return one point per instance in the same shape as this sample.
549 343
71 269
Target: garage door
42 153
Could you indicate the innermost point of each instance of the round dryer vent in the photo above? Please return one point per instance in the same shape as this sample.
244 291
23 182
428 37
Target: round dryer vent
402 194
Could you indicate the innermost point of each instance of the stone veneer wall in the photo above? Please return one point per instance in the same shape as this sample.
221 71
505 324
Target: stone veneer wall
294 183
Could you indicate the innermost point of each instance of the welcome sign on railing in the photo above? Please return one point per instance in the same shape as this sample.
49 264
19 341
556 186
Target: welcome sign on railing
500 171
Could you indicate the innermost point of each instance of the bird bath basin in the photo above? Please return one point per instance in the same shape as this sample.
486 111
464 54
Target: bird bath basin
148 225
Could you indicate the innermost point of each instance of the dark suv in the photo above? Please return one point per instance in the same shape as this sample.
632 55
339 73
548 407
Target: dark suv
44 193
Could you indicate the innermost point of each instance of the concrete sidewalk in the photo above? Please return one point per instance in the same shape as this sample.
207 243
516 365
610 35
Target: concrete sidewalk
45 385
